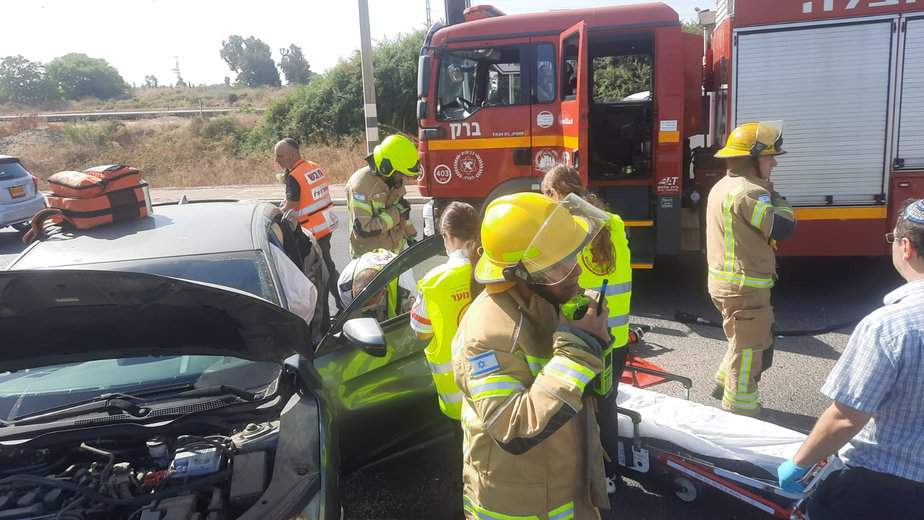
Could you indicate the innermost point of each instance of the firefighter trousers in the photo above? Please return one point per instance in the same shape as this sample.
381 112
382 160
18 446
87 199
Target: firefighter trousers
747 318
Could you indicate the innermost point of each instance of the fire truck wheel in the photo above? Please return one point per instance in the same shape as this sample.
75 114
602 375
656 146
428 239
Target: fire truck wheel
685 489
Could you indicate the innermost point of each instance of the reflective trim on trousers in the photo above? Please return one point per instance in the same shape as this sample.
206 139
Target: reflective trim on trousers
749 281
569 372
565 512
744 371
313 208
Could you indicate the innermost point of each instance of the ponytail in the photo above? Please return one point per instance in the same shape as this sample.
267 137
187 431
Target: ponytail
460 221
561 181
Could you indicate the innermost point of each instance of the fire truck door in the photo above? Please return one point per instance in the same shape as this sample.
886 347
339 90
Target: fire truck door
575 95
483 112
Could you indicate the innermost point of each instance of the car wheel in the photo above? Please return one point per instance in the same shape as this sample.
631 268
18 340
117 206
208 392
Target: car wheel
22 226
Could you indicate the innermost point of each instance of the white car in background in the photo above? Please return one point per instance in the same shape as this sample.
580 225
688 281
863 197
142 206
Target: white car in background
20 197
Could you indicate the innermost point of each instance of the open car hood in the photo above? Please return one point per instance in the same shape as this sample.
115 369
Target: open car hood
60 316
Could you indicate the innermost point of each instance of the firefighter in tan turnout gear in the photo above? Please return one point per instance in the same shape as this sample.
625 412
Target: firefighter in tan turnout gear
531 441
744 220
379 214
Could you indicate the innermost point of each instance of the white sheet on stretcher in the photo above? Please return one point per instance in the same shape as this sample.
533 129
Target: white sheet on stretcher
707 431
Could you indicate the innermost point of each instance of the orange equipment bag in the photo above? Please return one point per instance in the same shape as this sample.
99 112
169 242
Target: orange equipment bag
94 182
94 197
114 206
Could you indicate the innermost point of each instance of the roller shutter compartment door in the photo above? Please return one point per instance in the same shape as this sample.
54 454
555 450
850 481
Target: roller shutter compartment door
911 116
830 85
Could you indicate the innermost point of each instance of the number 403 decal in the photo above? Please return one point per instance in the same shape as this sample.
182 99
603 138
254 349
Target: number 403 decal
470 130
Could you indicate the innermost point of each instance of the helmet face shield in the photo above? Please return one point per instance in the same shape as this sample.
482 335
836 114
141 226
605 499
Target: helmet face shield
552 255
769 139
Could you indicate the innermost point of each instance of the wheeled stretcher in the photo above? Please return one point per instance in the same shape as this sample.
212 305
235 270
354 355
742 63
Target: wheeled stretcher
695 446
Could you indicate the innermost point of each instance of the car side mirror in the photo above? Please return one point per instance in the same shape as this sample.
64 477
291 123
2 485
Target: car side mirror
365 333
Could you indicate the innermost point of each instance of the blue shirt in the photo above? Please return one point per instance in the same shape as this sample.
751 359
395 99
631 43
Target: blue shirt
881 372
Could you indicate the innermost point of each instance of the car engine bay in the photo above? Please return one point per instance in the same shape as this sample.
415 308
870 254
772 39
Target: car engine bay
197 477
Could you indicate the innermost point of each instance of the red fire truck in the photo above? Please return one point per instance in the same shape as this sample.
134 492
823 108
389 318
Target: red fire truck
503 98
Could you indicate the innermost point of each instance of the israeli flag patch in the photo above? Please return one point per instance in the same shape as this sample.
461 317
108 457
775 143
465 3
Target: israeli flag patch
484 364
764 198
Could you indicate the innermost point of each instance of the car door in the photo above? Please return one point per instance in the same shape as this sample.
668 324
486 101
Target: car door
383 404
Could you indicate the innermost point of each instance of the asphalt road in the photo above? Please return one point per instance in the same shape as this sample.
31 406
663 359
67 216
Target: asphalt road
812 293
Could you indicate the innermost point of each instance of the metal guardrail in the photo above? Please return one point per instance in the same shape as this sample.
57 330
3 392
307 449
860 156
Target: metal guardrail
56 117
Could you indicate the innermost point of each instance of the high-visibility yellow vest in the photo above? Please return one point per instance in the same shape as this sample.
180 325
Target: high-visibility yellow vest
618 289
447 293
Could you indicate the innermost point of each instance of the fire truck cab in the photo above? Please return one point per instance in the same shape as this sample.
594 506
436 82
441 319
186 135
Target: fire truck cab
505 98
639 106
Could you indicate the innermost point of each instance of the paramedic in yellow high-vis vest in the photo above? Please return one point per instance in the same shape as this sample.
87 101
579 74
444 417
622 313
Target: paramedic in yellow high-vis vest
608 258
443 295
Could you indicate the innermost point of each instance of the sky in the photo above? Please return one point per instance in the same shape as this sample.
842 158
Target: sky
141 37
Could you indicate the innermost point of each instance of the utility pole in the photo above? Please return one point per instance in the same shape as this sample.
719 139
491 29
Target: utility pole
429 23
365 51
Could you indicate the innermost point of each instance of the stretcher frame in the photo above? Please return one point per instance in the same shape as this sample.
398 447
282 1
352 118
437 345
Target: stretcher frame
689 474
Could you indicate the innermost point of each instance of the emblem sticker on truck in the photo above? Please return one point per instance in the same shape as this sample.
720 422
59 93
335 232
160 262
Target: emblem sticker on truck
545 119
546 159
442 174
468 166
668 186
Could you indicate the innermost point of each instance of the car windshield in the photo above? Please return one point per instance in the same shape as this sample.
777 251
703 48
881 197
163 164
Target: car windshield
242 270
12 170
28 391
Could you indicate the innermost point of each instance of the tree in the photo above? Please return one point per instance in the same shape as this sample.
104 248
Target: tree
294 65
150 81
692 27
616 77
331 106
252 60
24 81
78 75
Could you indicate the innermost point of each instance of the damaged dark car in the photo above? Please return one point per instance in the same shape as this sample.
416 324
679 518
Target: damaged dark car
130 389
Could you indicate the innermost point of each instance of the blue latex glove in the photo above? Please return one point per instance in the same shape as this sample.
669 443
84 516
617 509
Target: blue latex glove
789 474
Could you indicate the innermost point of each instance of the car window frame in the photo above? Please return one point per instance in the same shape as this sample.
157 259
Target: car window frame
406 260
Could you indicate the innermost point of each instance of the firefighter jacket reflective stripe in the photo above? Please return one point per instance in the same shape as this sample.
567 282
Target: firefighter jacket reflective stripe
531 444
315 212
446 291
375 215
619 286
739 222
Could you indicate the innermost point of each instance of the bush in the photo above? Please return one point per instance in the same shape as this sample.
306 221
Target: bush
96 135
216 129
330 108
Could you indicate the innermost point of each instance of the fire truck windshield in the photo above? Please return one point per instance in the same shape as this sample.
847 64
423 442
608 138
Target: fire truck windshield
475 78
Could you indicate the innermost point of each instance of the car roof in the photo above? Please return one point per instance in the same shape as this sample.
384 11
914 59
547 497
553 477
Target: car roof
173 230
8 158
